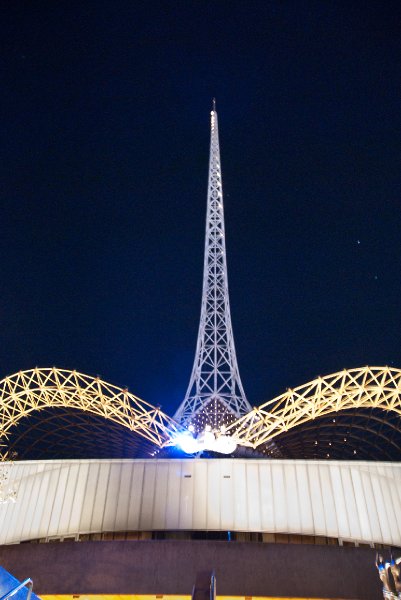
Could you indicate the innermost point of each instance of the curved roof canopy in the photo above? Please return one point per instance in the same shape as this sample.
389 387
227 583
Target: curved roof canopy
55 413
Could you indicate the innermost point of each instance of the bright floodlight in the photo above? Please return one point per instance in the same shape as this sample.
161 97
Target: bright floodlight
187 443
206 440
225 444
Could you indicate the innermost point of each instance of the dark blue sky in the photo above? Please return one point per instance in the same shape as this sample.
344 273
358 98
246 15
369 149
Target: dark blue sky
104 153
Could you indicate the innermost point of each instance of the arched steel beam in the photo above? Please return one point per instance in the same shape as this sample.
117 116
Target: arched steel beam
36 389
365 387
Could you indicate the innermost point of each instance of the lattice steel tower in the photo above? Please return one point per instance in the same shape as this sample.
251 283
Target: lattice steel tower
215 395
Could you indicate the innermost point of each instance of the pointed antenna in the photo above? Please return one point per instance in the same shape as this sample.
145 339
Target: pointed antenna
215 395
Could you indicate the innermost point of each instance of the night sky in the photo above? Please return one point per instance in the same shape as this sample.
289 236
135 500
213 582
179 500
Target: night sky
105 110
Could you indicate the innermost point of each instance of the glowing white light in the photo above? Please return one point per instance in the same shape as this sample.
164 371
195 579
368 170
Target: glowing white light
187 443
224 444
206 439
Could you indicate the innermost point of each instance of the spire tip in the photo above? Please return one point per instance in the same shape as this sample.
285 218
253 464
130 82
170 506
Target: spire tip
214 104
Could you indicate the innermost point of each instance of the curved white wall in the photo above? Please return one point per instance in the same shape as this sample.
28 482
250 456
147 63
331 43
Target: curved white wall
356 501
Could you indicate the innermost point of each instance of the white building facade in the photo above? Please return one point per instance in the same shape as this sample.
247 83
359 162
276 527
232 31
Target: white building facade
351 501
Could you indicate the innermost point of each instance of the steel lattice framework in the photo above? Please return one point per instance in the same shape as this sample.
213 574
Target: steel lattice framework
215 390
365 387
37 389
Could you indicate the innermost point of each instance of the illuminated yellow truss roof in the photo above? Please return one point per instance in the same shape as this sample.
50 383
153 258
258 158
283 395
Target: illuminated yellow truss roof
365 387
39 389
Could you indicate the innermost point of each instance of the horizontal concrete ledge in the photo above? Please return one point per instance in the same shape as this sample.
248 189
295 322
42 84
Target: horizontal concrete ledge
170 567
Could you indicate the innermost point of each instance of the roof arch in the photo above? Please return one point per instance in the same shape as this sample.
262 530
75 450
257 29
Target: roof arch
38 389
364 387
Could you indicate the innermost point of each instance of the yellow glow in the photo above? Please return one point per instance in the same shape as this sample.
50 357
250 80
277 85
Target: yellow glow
27 391
365 387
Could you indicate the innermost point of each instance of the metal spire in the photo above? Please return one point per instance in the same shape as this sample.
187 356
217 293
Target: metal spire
215 395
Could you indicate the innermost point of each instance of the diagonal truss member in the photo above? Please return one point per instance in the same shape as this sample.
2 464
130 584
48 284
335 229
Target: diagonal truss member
364 387
215 395
37 389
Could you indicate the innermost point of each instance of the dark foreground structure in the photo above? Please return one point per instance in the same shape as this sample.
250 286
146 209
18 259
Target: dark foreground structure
170 568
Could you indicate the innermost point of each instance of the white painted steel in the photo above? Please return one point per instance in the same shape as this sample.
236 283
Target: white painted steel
357 501
215 387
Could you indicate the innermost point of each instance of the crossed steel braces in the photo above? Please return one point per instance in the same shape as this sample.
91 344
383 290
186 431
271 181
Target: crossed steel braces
37 389
364 387
215 394
28 391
